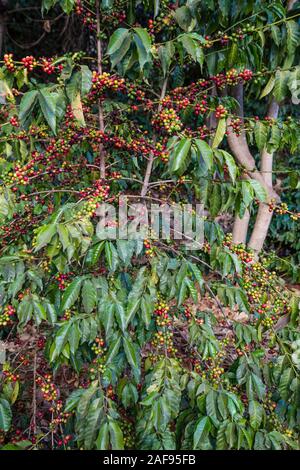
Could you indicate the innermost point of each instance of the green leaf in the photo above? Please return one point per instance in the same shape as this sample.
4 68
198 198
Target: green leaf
89 296
94 253
44 236
74 337
92 423
179 154
256 412
281 85
48 103
111 256
120 315
5 415
143 53
285 382
73 399
27 104
144 37
63 235
215 201
220 132
40 312
293 36
116 40
269 87
166 54
113 350
184 18
102 441
67 5
231 165
259 190
25 310
221 436
233 54
121 52
211 406
60 341
205 152
116 436
86 79
71 294
192 48
131 353
202 430
260 134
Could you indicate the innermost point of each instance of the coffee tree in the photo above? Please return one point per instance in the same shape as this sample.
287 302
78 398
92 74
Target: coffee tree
145 343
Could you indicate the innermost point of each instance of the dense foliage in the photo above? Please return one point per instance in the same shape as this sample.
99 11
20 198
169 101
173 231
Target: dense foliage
144 344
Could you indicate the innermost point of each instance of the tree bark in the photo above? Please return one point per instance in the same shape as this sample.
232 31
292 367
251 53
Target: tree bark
264 214
240 149
240 228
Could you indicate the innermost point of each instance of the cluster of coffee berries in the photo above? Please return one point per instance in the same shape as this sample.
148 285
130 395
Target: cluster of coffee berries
67 315
246 75
187 311
282 209
262 291
98 346
245 255
268 322
201 108
210 372
134 93
29 62
79 10
162 314
115 175
151 26
206 247
47 387
65 441
93 196
86 16
128 434
110 393
231 77
41 342
9 63
236 126
62 280
47 65
14 121
149 250
164 20
98 363
20 436
102 83
46 265
6 315
216 372
9 375
164 340
168 121
221 111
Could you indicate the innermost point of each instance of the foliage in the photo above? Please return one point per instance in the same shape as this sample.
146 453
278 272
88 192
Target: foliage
144 344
